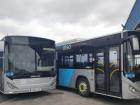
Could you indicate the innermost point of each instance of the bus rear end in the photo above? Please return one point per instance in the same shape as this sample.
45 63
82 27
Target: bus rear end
29 65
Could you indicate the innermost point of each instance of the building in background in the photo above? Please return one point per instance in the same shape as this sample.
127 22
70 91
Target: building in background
133 21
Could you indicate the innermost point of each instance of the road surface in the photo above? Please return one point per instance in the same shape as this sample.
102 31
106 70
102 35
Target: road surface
61 97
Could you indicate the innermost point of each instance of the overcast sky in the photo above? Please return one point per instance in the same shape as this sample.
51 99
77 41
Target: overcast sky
63 19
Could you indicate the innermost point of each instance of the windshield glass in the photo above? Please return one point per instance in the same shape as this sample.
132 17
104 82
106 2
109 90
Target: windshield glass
133 63
24 59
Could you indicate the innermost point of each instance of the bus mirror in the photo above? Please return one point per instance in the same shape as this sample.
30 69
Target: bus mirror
135 43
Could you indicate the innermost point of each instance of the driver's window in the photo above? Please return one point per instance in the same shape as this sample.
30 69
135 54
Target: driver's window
129 56
129 71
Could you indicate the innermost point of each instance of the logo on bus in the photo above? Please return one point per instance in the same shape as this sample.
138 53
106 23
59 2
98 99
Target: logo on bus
67 47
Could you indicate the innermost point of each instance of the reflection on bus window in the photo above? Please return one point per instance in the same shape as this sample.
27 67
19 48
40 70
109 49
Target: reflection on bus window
114 70
100 60
27 59
21 57
84 61
100 74
78 61
133 63
67 61
44 59
81 58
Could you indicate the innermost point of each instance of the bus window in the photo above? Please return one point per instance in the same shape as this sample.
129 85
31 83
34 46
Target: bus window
21 61
67 61
130 62
137 60
45 59
30 61
133 64
90 58
114 69
84 61
100 70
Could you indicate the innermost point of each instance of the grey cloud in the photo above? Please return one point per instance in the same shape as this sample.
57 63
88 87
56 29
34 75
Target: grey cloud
50 13
115 11
69 11
73 11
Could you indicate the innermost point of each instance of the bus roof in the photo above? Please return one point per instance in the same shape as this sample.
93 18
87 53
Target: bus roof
28 40
110 39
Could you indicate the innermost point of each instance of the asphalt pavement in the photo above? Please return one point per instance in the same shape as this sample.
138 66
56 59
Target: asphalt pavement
62 97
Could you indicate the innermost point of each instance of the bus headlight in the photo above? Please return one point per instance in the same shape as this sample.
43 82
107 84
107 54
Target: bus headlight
9 73
133 90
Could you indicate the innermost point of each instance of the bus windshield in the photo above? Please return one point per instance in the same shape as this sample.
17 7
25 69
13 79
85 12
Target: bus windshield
133 61
31 60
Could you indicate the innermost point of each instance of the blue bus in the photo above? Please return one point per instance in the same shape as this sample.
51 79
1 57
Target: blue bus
108 65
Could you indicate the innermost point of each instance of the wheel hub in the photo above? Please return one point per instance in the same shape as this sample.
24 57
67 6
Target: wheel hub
82 87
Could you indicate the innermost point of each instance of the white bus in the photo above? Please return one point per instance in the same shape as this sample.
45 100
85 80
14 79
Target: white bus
108 65
27 64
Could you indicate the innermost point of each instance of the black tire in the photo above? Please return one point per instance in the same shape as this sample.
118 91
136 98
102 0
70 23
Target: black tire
83 87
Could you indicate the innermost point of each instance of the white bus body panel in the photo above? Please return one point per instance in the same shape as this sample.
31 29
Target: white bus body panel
127 92
28 85
89 74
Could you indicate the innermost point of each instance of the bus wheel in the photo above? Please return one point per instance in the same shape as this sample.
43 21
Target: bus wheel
83 87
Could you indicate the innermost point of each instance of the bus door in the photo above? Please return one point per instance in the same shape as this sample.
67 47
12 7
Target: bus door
107 71
1 64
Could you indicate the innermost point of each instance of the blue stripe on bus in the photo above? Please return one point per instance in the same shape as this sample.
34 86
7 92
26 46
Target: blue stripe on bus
65 77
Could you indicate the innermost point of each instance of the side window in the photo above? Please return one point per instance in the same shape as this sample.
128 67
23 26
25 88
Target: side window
130 61
129 56
84 61
78 58
67 61
81 60
90 58
114 57
100 62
